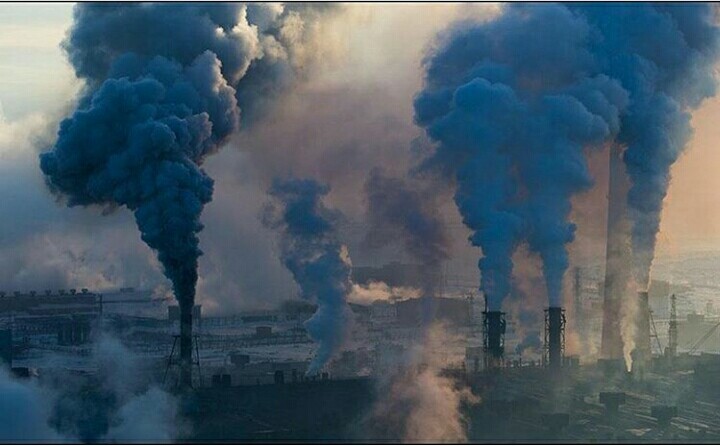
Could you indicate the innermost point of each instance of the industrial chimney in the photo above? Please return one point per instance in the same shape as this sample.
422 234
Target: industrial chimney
186 344
554 337
617 258
642 339
493 338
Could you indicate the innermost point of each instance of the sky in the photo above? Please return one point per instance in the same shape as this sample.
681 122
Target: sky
361 91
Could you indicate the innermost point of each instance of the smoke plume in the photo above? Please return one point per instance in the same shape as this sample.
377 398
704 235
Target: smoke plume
109 406
512 105
319 263
162 89
664 56
417 403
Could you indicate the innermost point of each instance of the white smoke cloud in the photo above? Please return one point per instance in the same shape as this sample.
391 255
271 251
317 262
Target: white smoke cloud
416 403
380 291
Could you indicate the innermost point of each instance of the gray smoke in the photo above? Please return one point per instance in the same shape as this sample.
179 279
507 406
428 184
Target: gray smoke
319 263
110 406
160 96
24 412
400 209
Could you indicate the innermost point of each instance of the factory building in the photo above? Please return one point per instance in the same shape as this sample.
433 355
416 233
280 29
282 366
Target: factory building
68 316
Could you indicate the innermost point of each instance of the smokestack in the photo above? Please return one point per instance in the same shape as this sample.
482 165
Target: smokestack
617 258
554 337
642 340
186 344
493 338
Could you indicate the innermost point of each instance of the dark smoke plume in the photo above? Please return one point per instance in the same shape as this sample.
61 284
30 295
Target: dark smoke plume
263 46
162 89
664 56
399 209
319 263
513 104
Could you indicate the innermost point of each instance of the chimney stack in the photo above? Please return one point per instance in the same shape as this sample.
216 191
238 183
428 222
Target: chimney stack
186 332
554 337
494 338
642 340
617 258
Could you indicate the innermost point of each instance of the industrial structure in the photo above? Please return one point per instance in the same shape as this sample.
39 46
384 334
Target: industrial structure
256 362
617 258
494 339
554 352
643 349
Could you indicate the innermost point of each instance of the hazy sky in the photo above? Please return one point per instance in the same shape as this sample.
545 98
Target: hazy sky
375 69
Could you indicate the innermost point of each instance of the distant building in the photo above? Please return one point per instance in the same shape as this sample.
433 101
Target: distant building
6 347
132 302
67 314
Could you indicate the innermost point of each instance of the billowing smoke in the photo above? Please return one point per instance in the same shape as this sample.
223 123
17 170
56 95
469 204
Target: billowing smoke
162 89
24 412
110 406
512 105
380 291
398 209
664 56
416 402
264 47
319 263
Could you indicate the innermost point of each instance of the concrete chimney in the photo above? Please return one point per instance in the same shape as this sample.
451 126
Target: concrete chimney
642 340
618 259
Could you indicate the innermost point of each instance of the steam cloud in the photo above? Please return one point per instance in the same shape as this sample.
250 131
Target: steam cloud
112 406
319 263
513 104
162 89
417 402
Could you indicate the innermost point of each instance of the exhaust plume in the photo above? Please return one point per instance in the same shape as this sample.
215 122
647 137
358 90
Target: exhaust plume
319 263
664 56
161 95
154 108
512 105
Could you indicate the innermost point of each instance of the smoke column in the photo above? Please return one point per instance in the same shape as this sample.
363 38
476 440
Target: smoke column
162 83
319 263
664 56
512 104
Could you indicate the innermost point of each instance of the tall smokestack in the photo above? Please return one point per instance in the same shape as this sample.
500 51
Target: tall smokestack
617 258
186 344
493 338
554 337
642 339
